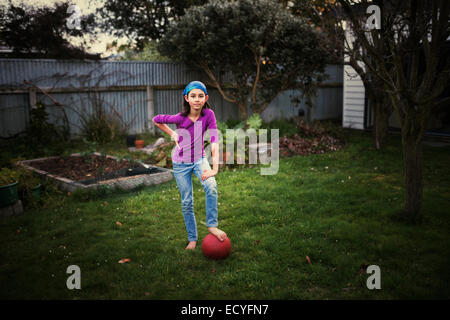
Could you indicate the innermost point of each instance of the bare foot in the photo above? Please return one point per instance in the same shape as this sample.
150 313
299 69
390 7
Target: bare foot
191 245
218 233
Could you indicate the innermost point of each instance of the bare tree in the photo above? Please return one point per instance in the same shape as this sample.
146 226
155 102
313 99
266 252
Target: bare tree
414 68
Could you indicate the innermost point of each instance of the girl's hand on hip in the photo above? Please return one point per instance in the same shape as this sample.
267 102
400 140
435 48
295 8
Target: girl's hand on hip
174 137
208 173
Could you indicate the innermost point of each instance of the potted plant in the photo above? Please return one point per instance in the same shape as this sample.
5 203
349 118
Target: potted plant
139 141
29 186
8 187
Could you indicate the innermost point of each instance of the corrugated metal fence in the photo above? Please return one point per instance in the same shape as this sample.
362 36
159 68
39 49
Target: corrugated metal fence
133 90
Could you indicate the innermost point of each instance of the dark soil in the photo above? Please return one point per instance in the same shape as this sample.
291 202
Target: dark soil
79 168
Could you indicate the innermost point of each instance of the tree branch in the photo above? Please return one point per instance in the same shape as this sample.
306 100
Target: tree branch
210 74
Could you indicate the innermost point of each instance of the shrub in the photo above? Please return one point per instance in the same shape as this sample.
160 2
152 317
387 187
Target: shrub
41 131
102 126
287 127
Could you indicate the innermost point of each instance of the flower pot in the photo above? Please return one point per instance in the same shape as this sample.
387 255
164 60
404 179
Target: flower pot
131 140
36 192
8 194
139 144
31 194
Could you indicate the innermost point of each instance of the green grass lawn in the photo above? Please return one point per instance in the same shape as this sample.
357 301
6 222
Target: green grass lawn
339 209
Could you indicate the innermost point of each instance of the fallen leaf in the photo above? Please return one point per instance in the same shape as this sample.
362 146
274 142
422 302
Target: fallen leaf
363 268
309 260
124 260
119 223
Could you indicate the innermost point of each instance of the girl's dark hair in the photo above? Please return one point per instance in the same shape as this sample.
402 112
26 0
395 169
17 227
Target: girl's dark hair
186 108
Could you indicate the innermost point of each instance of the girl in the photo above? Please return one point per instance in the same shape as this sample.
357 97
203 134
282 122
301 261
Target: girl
187 157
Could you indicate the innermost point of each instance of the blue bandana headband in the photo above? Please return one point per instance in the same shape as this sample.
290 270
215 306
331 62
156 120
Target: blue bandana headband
194 85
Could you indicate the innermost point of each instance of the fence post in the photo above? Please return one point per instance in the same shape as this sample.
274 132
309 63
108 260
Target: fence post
32 97
31 104
150 109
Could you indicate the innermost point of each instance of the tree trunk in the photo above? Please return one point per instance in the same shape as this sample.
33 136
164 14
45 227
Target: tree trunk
243 111
413 174
382 112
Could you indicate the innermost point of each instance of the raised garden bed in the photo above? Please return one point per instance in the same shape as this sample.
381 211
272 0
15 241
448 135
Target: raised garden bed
81 171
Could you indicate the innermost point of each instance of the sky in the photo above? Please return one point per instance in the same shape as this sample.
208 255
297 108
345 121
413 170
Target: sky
86 7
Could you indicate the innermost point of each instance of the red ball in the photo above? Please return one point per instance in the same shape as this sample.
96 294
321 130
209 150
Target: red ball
215 249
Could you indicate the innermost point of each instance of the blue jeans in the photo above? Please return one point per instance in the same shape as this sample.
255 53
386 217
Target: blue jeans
183 176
